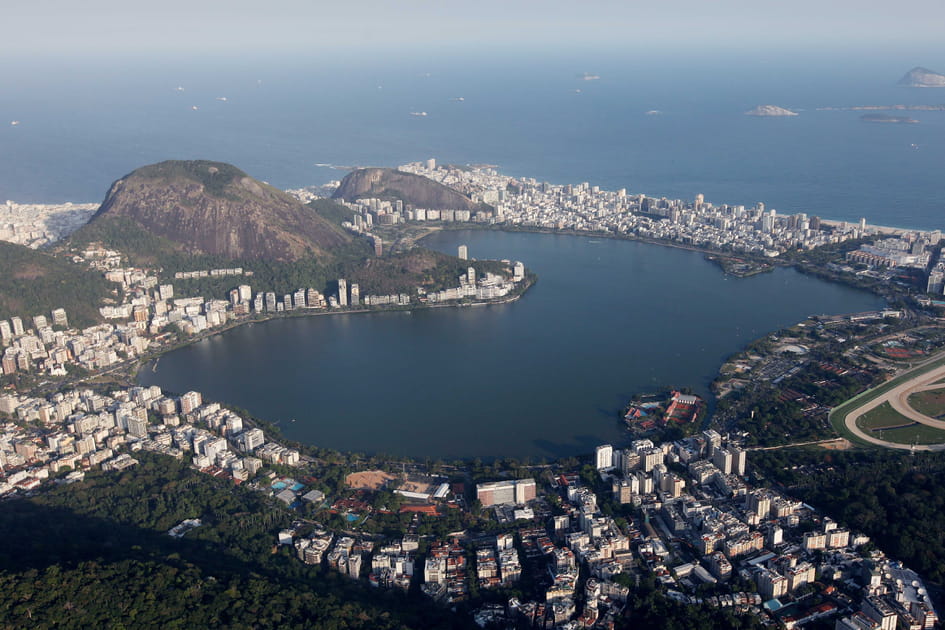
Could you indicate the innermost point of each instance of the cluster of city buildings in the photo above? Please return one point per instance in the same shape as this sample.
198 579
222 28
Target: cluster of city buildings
489 286
936 280
697 522
49 346
912 249
527 202
703 524
150 312
81 429
35 225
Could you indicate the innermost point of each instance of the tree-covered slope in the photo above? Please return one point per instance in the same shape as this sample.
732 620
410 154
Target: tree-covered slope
34 283
95 555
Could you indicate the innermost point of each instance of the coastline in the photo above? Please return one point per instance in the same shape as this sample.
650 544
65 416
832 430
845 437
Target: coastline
139 363
711 396
718 257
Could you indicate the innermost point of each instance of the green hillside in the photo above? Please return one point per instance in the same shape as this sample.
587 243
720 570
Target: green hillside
95 554
34 283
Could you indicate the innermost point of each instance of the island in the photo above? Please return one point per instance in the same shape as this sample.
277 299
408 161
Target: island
922 78
899 107
885 118
770 111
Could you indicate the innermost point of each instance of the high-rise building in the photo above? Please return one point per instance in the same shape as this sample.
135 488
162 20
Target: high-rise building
431 164
6 332
463 252
524 490
759 502
768 221
739 460
513 491
251 439
651 458
137 427
59 317
471 275
355 294
245 292
378 244
342 292
713 441
604 456
722 459
190 401
771 584
17 326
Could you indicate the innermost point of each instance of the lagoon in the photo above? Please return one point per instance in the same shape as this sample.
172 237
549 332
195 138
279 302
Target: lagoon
541 377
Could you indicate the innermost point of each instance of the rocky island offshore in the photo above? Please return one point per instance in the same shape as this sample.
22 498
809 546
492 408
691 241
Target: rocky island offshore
922 78
770 110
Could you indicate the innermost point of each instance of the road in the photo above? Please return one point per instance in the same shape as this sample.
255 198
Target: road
898 397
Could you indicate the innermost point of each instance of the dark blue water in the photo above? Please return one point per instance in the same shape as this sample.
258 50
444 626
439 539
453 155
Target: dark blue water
544 376
87 122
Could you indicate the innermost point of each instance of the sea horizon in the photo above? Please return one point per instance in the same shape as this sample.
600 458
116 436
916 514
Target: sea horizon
669 126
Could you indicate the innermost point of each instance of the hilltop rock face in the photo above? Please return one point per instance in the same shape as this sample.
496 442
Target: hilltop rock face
770 110
390 184
922 77
214 208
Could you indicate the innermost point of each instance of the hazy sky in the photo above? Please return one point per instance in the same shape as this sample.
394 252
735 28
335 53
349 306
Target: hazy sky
228 26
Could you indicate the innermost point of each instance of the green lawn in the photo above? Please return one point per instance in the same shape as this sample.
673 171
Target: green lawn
919 434
930 403
880 417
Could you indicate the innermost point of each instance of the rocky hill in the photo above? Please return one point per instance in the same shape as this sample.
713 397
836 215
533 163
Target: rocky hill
390 184
922 77
211 209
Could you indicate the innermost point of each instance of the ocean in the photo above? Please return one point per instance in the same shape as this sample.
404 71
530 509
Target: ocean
663 124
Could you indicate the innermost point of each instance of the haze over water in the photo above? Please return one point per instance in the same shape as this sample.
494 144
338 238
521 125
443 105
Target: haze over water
544 376
86 123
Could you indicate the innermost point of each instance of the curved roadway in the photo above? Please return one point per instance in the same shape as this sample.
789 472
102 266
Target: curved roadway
898 397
